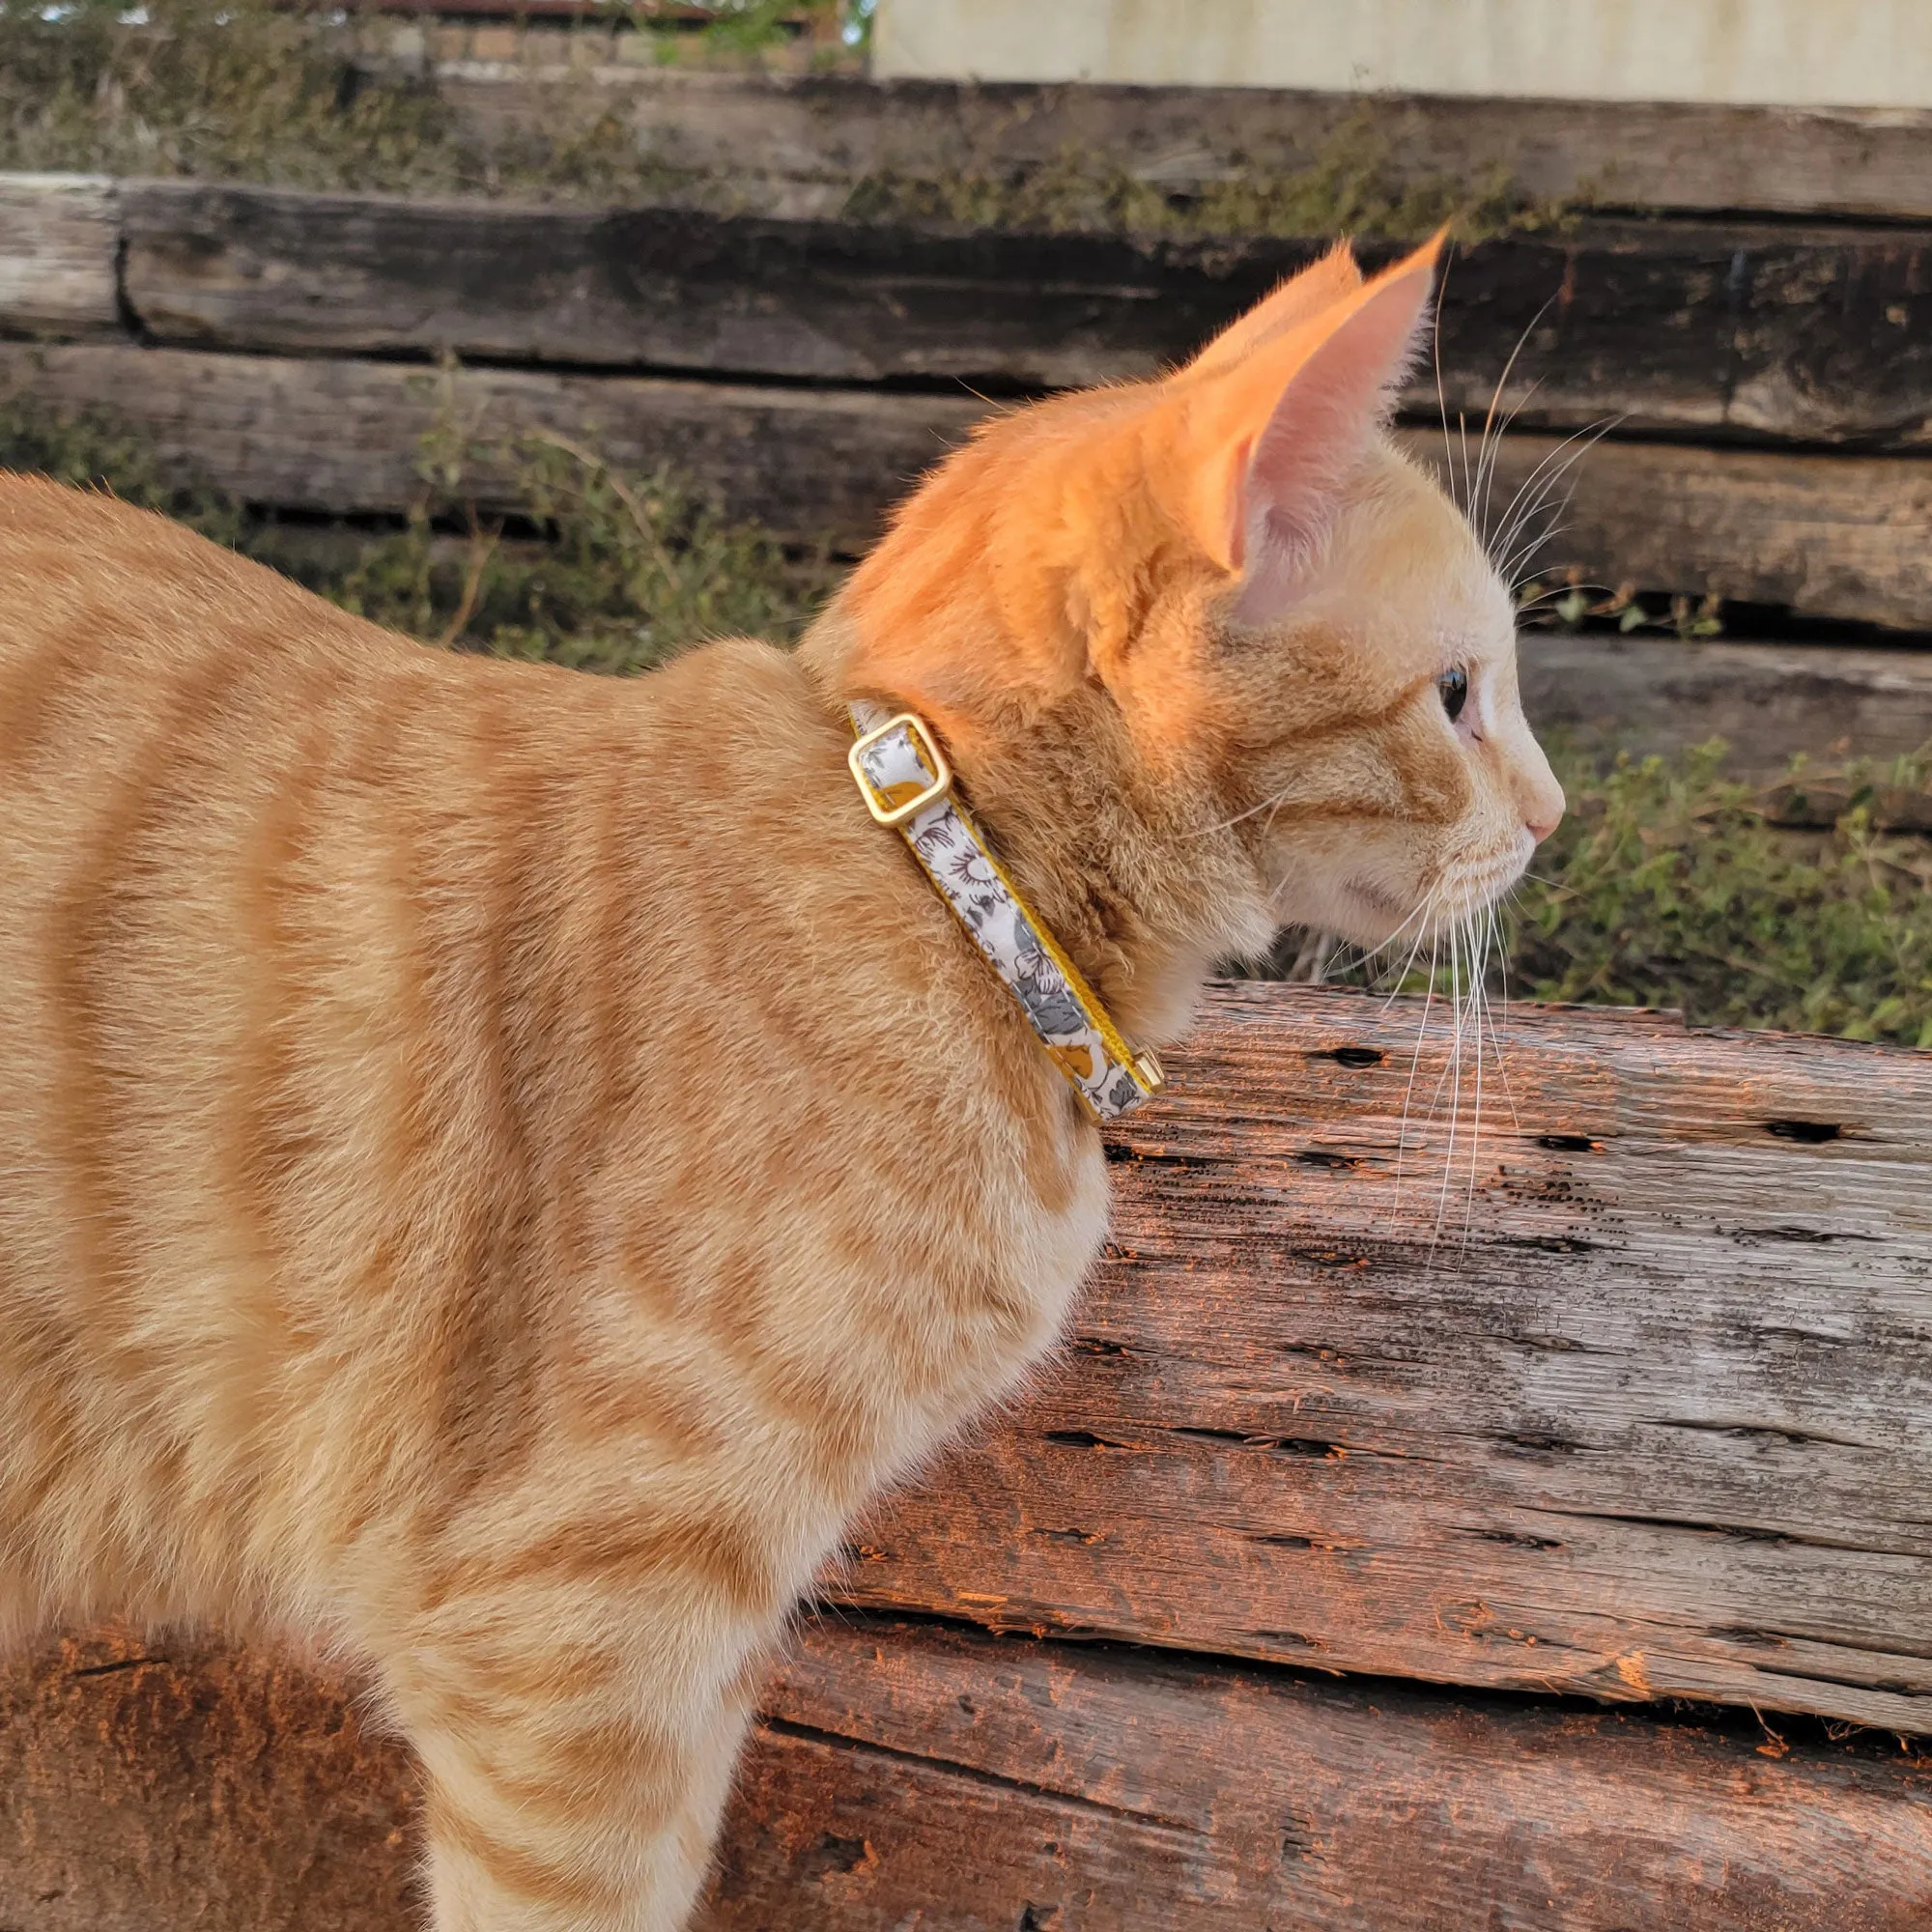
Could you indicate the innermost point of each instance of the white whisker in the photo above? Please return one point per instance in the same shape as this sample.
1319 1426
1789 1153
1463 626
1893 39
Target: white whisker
1476 1113
1414 1062
1496 1036
1454 1074
1478 509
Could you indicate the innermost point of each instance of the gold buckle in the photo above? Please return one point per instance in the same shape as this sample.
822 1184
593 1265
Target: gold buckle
1147 1071
911 808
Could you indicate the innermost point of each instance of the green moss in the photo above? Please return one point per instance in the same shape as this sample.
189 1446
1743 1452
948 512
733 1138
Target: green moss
1350 188
1668 884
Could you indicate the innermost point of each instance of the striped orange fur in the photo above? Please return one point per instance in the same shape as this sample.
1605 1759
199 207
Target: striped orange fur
500 1164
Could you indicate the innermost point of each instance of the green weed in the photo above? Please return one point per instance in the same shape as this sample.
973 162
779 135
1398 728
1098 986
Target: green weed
1670 885
210 88
607 570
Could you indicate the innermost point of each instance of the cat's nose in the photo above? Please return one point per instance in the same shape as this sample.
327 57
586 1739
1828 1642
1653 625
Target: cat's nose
1543 811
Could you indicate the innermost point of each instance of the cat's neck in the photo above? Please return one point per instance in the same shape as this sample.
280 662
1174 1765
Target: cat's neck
1145 904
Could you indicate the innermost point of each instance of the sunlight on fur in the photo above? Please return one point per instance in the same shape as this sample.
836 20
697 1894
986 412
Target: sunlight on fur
501 1164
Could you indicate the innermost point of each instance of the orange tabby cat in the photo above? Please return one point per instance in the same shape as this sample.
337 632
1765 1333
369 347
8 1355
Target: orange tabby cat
501 1164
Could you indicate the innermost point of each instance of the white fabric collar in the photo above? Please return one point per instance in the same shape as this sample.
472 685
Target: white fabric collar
903 776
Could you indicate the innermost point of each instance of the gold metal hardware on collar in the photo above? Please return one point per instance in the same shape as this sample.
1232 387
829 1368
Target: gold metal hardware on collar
1147 1071
897 813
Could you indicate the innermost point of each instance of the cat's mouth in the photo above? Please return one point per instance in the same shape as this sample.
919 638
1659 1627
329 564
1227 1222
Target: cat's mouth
1482 885
1450 899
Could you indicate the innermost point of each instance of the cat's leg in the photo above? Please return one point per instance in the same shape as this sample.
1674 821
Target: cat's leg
565 1797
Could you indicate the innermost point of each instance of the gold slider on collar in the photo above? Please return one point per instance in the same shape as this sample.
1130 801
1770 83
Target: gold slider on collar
886 807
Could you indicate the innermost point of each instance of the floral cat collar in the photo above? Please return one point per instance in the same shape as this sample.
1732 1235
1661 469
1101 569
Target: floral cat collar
906 783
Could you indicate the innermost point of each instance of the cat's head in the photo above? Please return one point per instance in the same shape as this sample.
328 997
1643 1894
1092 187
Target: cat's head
1223 603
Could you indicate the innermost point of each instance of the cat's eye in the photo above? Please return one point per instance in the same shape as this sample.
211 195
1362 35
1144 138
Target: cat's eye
1454 685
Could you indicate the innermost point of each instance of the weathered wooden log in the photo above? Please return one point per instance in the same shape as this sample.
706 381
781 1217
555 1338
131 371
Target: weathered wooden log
60 237
1826 536
914 1775
925 1778
1646 693
157 1786
796 145
1818 335
323 435
1621 1388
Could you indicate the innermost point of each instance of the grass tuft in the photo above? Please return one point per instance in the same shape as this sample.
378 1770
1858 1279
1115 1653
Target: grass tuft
246 90
1671 885
209 88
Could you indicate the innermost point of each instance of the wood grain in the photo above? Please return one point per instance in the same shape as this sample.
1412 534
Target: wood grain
1646 693
1823 535
1818 335
924 1777
914 1775
1826 536
1628 1393
795 145
321 434
155 1786
59 238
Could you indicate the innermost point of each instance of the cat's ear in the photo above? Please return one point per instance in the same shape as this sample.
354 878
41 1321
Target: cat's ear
1269 440
1299 298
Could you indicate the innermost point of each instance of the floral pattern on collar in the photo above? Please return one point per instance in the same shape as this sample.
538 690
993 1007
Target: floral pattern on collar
1110 1078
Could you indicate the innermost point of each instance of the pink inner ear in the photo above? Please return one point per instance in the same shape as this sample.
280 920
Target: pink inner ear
1317 434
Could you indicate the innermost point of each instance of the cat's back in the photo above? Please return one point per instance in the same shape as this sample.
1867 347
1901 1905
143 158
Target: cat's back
365 1008
102 603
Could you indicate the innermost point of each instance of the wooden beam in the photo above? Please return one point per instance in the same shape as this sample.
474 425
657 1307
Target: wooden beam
1822 535
1619 1390
1646 693
1826 536
59 239
323 435
799 144
1811 336
930 1776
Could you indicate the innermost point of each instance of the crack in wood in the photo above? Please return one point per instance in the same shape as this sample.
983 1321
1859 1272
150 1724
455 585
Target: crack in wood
1354 1055
1515 1538
1279 1445
1769 1430
994 1781
1814 1237
1737 1532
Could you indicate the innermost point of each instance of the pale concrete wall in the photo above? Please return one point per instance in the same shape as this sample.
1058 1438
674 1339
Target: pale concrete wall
1837 53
